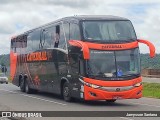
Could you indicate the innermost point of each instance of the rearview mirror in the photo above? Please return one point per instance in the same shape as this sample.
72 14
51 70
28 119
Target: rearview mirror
150 45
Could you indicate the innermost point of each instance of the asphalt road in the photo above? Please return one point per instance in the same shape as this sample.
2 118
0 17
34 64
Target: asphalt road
11 99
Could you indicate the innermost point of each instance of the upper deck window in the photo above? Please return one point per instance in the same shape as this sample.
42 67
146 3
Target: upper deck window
19 43
108 31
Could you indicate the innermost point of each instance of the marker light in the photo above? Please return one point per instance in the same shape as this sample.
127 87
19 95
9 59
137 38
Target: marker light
89 84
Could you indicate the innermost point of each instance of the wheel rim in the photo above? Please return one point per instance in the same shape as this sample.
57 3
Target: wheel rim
26 87
21 84
66 92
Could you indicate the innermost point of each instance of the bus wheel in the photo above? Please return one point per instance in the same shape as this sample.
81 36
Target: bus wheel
28 90
66 92
22 86
111 101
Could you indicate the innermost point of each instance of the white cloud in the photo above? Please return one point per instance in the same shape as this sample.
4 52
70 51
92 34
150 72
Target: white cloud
18 16
150 29
4 48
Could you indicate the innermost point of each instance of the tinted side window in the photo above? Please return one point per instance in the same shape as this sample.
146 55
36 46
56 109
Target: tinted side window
74 32
62 43
60 37
29 43
66 30
33 41
19 44
47 38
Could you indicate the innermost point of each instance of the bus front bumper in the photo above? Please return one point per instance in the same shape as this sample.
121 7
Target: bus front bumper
98 94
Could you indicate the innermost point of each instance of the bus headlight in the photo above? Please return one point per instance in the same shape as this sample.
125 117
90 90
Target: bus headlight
95 86
138 84
89 84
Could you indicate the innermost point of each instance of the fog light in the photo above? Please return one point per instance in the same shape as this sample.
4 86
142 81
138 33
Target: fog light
138 92
93 94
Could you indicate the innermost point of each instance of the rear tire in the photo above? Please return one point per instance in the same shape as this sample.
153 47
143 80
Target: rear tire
28 90
66 92
22 85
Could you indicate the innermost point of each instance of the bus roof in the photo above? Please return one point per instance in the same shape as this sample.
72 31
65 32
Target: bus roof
96 17
79 18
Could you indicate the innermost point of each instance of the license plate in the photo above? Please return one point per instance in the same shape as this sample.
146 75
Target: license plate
117 97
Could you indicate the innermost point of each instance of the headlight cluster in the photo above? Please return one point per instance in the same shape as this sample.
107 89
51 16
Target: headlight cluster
138 84
89 84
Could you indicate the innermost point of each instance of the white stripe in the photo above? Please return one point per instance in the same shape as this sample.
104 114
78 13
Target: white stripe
35 97
126 118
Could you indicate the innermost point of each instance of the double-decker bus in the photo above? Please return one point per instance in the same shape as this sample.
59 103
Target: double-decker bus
85 57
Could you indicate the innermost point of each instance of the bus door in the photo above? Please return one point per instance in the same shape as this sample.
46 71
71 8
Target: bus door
74 61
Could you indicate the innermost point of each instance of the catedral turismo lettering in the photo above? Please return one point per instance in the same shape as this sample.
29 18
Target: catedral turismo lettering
37 56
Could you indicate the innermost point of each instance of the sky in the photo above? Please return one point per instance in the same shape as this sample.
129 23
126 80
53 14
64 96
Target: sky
18 16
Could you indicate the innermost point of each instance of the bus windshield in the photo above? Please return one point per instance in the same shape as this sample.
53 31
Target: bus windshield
117 64
108 31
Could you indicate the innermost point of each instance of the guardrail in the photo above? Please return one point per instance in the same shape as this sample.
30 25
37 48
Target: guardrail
155 73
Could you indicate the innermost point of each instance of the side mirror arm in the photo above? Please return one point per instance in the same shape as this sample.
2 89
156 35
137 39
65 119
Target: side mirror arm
150 45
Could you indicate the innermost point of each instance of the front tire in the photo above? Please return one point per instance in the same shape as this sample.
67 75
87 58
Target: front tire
66 92
111 101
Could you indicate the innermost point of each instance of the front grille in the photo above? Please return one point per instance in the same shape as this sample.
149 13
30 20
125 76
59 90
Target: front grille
117 89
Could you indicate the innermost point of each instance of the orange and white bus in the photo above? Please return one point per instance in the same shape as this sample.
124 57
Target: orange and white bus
85 57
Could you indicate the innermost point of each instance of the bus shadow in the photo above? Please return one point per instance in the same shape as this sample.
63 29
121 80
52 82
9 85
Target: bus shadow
78 101
85 103
103 103
49 95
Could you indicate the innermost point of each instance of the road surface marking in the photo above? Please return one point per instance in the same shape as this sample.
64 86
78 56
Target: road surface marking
126 118
34 97
66 104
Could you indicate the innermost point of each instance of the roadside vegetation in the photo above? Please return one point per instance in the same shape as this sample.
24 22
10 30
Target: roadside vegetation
151 90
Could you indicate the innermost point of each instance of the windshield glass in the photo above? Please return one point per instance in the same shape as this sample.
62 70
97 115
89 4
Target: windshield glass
108 30
114 63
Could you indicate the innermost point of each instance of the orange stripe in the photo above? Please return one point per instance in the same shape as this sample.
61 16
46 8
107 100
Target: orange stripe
151 47
86 46
112 46
13 62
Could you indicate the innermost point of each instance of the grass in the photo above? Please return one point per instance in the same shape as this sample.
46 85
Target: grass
151 90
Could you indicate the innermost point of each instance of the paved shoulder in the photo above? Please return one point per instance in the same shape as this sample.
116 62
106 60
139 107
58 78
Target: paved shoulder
151 80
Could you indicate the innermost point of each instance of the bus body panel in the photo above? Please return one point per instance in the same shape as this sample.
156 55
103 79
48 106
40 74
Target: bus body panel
105 95
44 72
112 89
13 64
35 55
